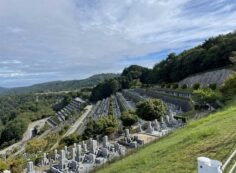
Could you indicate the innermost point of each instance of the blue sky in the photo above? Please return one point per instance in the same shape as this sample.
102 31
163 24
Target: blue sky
47 40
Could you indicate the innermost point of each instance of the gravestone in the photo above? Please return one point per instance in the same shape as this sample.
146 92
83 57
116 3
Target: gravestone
79 153
149 127
93 146
163 124
105 152
156 125
73 153
55 155
140 128
105 141
62 164
167 119
30 167
6 171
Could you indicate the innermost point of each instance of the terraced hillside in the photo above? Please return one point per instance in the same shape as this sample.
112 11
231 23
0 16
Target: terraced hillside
213 137
216 76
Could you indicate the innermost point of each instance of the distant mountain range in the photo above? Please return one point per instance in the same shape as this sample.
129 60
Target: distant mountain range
61 85
2 90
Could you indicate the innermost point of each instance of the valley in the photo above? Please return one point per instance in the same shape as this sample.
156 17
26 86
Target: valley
175 117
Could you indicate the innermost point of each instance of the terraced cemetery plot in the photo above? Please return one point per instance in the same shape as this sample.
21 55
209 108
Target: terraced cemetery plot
65 113
213 137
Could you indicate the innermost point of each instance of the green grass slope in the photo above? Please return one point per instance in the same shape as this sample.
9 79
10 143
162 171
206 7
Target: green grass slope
213 137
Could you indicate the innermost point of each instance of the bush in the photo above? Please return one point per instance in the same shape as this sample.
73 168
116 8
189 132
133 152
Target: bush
212 86
229 87
104 126
175 86
184 86
205 95
196 86
129 118
36 145
70 140
162 85
168 85
151 109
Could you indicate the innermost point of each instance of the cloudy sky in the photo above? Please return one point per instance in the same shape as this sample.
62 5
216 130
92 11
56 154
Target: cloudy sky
45 40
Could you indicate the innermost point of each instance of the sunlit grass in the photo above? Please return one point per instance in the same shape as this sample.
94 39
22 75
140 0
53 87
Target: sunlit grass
213 136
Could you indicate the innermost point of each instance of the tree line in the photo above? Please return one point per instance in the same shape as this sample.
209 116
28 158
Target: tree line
213 53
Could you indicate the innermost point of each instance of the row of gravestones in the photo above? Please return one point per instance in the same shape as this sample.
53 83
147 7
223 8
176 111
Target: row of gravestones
115 108
84 156
101 109
169 122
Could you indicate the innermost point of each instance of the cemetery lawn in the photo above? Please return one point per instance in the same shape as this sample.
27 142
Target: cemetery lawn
213 136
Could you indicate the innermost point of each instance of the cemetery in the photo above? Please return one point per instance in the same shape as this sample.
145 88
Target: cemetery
90 154
66 112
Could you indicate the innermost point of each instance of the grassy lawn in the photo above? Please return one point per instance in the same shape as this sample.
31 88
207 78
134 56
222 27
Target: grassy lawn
213 137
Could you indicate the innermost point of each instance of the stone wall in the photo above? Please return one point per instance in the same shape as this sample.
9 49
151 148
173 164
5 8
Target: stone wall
217 76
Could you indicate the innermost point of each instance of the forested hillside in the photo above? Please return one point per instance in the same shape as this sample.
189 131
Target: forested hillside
63 85
2 90
212 54
16 111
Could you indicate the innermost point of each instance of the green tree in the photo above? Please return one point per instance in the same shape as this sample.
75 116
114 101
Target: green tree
229 87
36 145
213 86
175 86
196 86
205 95
129 118
184 86
151 109
70 140
104 126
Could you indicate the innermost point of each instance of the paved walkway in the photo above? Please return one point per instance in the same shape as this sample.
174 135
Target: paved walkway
80 120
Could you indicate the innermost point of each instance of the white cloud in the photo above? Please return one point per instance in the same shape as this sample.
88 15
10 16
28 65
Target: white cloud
6 62
77 38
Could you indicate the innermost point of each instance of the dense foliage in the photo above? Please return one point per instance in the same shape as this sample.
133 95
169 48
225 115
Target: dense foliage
70 140
151 109
129 118
104 126
36 145
105 89
229 87
206 96
213 53
17 111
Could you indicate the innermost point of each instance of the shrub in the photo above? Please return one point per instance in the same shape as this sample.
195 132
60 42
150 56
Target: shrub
151 109
212 86
175 86
70 140
168 85
104 126
129 118
229 87
36 145
162 85
196 86
206 95
184 86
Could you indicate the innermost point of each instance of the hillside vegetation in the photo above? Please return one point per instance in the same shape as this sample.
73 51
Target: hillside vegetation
213 137
214 53
62 85
17 111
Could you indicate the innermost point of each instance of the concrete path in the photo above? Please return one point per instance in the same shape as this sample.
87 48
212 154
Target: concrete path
80 121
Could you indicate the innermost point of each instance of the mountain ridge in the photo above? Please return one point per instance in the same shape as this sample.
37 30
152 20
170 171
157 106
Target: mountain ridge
60 85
